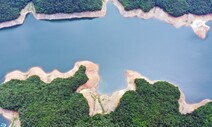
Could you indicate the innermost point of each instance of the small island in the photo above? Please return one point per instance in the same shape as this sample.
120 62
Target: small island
71 99
190 13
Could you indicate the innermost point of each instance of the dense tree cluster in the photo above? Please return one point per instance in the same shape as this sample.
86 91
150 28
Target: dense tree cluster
10 9
46 105
157 106
66 6
57 105
173 7
97 121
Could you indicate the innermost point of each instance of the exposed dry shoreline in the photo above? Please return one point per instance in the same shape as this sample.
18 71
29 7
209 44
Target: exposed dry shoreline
90 89
12 116
197 23
31 9
90 86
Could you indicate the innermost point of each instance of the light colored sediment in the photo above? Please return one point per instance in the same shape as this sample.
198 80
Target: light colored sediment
91 85
31 9
89 89
12 116
197 23
184 107
91 72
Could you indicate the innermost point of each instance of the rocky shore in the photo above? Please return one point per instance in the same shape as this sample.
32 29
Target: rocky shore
197 23
31 9
98 103
12 116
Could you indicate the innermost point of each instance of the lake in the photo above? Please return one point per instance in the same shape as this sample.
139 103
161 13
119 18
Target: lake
151 47
3 122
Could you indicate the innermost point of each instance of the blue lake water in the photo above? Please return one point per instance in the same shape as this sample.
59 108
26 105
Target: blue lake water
3 122
156 49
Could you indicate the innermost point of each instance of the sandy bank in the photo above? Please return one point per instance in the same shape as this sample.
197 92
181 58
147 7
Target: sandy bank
91 84
89 89
197 23
12 116
31 9
184 107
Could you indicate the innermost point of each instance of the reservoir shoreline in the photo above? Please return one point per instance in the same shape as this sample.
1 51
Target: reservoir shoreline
90 89
31 9
197 23
12 116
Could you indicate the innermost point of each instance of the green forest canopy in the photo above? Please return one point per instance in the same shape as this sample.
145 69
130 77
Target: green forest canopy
173 7
10 9
46 105
58 105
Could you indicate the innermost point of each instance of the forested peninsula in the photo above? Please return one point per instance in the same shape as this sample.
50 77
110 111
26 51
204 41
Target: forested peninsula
65 101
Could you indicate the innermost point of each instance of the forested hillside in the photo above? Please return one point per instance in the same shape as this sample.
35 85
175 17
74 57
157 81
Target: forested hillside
57 105
173 7
46 105
66 6
10 9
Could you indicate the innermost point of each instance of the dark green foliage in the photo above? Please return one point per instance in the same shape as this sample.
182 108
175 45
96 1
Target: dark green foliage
150 105
200 7
157 106
66 6
173 7
16 93
145 5
97 121
58 112
10 9
46 105
57 105
201 117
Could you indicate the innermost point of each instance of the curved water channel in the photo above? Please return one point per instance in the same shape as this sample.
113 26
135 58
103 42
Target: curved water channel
154 48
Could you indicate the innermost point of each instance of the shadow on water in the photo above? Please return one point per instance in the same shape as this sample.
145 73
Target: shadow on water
67 20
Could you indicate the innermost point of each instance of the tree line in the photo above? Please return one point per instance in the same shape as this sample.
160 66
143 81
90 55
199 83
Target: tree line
10 9
175 8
